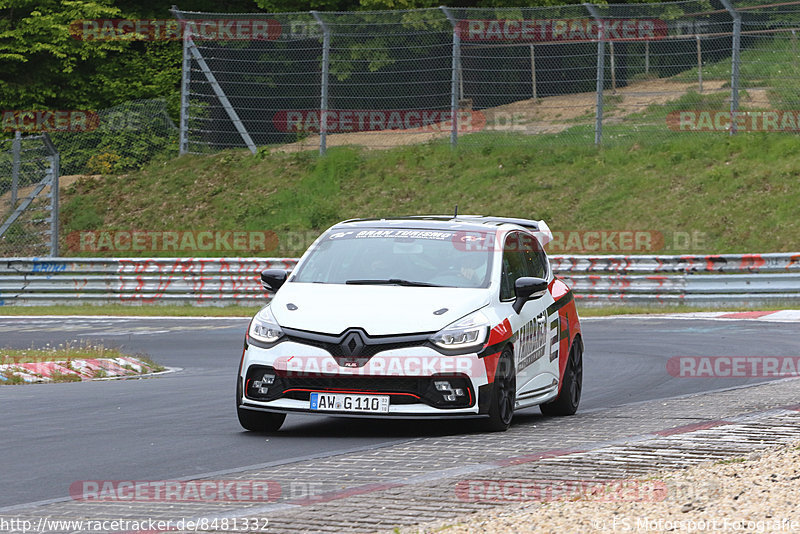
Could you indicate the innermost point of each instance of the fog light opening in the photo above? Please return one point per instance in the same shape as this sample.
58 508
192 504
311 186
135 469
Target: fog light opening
449 393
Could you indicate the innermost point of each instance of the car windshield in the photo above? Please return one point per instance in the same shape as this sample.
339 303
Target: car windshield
406 257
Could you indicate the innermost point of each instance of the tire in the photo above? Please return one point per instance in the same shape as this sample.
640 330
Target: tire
504 394
260 421
570 396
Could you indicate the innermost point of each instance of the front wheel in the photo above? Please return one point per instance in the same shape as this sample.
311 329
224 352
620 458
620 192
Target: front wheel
504 394
570 396
260 421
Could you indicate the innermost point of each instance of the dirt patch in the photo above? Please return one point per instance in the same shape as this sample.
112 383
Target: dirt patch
23 192
552 114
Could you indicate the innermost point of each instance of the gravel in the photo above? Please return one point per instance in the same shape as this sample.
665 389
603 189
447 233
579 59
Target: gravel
759 493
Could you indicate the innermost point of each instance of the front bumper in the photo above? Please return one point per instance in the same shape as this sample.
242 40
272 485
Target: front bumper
412 377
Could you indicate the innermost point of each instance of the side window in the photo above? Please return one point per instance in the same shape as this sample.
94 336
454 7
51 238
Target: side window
514 265
534 258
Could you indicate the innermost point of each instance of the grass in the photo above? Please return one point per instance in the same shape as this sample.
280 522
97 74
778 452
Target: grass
734 191
766 63
731 461
133 311
606 311
61 352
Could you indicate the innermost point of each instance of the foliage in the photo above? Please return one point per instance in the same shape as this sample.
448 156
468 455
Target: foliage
128 136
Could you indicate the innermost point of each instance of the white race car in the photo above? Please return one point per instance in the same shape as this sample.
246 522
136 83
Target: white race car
418 317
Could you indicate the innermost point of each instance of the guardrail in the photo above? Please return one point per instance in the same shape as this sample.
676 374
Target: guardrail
597 280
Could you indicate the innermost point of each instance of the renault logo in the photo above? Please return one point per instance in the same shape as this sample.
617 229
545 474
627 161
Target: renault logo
352 344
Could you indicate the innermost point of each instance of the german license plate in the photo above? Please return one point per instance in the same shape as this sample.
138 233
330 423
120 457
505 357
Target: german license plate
347 402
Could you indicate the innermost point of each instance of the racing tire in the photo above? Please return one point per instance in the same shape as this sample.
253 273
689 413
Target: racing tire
570 396
504 394
260 421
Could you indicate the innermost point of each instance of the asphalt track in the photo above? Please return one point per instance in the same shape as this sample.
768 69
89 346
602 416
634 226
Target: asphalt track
184 424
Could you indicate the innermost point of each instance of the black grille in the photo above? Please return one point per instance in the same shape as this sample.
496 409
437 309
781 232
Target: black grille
402 390
353 347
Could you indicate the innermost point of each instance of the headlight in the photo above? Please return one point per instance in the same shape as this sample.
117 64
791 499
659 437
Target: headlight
469 331
264 327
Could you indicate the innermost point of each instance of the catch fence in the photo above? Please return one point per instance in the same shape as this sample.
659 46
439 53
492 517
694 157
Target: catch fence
579 73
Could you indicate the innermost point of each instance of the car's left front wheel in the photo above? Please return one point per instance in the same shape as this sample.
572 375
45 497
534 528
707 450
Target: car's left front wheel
260 421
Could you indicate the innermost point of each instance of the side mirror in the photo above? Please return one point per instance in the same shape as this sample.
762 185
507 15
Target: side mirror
528 288
273 279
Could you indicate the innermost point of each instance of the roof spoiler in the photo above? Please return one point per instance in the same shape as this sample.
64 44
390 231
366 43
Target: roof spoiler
539 228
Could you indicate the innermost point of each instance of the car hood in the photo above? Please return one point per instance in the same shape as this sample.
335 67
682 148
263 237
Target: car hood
379 310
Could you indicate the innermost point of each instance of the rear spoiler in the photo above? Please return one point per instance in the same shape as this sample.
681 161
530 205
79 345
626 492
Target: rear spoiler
538 228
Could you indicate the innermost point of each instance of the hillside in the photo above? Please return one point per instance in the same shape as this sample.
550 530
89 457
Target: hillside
693 193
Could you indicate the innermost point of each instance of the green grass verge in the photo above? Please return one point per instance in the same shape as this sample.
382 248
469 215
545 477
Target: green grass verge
739 194
134 311
606 311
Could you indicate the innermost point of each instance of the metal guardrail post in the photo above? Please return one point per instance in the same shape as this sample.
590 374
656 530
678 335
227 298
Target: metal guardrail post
323 104
735 45
186 74
601 60
456 69
16 153
55 173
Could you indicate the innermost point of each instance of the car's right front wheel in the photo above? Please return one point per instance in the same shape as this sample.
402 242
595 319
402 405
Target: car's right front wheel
256 421
504 394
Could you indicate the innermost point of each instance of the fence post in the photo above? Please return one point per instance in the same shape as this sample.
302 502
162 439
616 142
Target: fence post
16 152
456 68
55 174
601 47
699 64
217 88
533 74
323 104
737 34
186 74
613 68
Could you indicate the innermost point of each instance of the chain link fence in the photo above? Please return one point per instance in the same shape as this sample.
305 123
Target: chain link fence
121 138
29 166
80 144
574 73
